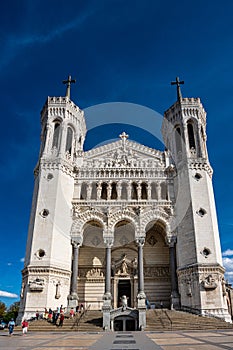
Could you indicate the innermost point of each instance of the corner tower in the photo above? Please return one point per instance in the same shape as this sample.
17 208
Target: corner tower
199 262
47 268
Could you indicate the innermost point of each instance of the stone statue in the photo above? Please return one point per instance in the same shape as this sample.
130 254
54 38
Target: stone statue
124 302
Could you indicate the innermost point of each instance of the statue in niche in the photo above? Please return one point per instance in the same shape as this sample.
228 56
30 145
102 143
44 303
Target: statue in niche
58 292
189 289
22 290
123 270
224 292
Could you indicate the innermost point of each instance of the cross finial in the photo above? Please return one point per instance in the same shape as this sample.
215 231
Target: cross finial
68 82
178 83
123 136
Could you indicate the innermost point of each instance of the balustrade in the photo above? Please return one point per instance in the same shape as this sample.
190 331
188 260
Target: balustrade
117 190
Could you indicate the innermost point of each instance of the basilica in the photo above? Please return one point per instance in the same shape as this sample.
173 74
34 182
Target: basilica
123 227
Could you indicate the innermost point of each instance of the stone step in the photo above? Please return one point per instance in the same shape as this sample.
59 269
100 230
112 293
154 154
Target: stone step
91 321
178 320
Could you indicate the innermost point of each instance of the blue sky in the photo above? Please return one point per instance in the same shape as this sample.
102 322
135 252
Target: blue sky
119 51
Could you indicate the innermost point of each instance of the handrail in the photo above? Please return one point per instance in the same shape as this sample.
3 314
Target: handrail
78 320
169 318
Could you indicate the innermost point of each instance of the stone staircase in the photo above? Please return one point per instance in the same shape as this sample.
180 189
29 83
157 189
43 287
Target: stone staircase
89 321
157 320
167 320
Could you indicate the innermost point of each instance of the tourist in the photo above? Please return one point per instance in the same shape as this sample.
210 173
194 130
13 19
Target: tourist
57 314
61 319
71 312
37 315
81 308
11 326
50 315
25 327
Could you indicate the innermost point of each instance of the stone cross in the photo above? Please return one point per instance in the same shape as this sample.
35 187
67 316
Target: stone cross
68 82
124 137
178 83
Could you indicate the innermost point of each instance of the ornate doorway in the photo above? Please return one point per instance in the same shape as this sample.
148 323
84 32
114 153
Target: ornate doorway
124 288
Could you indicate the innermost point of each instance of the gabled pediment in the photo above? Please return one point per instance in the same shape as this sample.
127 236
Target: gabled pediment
123 153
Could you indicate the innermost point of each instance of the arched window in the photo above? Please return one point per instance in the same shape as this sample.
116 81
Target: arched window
134 194
69 140
178 139
43 140
191 136
144 191
56 134
104 191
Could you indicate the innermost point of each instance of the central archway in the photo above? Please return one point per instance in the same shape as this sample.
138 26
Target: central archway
156 265
124 264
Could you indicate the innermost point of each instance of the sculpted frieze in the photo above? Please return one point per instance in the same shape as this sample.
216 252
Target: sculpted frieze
157 271
36 285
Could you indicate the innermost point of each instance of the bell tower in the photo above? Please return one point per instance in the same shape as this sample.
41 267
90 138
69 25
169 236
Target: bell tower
199 262
47 267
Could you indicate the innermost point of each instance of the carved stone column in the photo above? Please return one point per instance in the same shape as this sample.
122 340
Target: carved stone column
73 296
129 191
99 190
48 138
158 190
89 189
107 304
175 298
140 242
139 191
118 189
77 190
141 297
62 146
149 191
109 191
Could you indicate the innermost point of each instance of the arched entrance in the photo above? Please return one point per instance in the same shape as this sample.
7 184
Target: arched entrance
125 323
124 264
156 265
91 267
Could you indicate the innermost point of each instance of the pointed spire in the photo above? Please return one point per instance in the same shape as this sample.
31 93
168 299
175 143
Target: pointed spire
68 82
178 83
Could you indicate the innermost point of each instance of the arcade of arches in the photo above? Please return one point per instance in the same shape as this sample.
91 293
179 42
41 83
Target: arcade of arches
92 276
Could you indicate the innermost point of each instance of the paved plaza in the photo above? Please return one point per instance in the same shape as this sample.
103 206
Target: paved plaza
182 340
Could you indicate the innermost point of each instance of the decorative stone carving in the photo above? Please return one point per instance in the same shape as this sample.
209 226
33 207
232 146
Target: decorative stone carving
96 241
123 268
36 285
152 240
209 283
94 273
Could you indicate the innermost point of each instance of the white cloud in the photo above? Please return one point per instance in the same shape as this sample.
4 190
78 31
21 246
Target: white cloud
22 259
227 252
9 264
228 264
17 43
7 294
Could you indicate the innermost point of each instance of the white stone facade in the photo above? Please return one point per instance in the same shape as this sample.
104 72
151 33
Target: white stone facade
123 219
